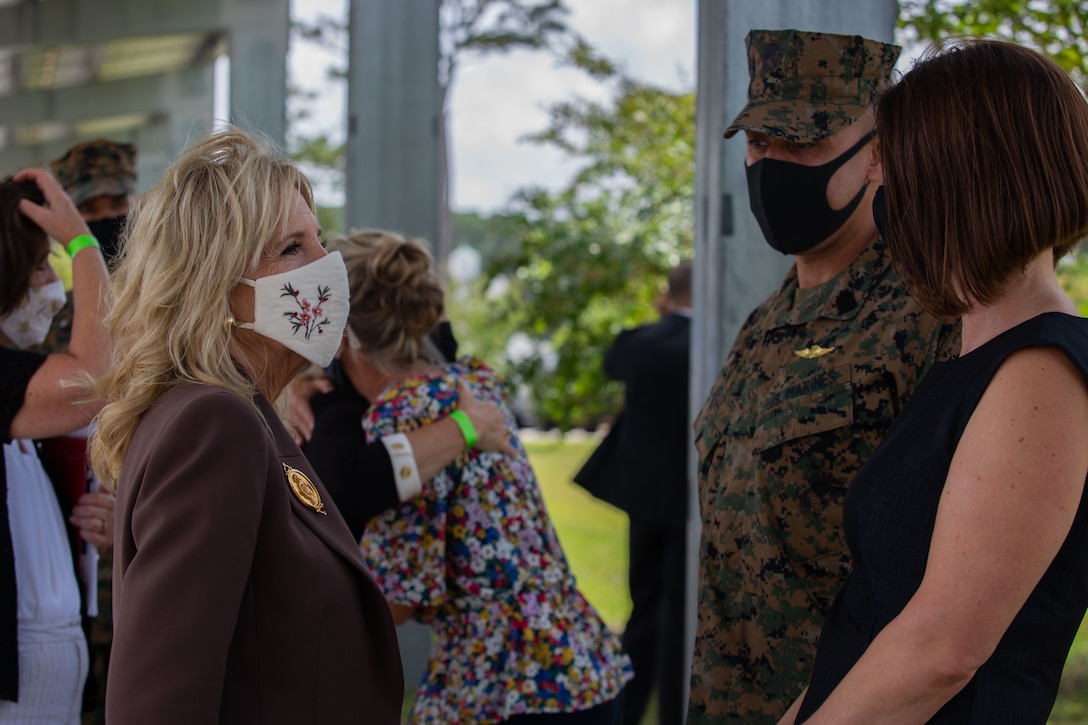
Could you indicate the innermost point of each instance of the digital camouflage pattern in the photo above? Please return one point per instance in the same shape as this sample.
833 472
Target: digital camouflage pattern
97 168
809 389
805 86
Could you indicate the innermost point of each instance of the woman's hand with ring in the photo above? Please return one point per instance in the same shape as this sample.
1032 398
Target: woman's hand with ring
93 516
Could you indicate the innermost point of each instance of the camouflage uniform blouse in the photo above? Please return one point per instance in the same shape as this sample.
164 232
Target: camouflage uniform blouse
806 394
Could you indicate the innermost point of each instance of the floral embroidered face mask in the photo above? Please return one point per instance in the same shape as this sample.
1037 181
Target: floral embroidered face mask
29 323
304 309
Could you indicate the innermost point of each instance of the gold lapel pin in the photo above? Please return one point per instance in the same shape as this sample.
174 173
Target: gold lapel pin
812 352
304 488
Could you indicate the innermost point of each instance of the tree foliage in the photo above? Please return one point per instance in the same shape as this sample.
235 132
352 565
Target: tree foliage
593 255
1058 28
1073 274
500 26
491 236
465 27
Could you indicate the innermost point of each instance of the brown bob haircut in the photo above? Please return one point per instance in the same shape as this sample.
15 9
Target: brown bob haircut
23 244
984 146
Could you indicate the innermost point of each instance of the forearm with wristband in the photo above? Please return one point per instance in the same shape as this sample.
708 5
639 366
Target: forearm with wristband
81 242
467 429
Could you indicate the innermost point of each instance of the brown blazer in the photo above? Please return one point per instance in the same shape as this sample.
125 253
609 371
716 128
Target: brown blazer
233 602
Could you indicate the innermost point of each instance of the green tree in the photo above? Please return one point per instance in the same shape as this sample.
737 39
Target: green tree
1073 273
491 236
593 256
477 308
1058 28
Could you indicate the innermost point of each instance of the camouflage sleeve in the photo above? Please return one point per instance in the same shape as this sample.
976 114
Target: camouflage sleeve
948 341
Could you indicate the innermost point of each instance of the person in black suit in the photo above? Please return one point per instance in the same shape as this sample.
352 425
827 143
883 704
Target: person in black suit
642 468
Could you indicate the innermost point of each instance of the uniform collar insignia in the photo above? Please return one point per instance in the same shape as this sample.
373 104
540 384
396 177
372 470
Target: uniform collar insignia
304 489
809 353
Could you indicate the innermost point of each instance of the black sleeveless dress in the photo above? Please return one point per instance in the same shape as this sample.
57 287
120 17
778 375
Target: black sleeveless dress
889 514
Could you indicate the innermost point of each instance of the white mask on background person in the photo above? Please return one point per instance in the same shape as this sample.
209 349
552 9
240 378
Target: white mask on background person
304 309
29 323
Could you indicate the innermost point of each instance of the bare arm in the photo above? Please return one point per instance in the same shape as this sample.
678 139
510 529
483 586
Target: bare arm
51 407
364 479
1012 492
790 716
437 445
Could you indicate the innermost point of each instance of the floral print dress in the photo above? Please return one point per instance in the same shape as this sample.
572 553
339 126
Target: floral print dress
476 556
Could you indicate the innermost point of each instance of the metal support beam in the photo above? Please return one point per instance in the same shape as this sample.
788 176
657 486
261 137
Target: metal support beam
79 22
257 37
178 108
150 95
393 116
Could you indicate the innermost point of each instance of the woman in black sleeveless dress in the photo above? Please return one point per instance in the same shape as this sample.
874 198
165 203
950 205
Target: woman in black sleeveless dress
968 526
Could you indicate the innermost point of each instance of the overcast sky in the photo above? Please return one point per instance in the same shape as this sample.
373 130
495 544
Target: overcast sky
498 99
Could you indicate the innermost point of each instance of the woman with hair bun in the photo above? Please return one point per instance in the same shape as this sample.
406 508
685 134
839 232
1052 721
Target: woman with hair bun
474 556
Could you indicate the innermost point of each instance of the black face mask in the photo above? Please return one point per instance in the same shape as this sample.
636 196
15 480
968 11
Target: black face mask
108 233
880 212
790 200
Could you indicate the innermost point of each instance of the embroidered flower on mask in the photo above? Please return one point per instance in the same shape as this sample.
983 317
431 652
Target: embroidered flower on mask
309 317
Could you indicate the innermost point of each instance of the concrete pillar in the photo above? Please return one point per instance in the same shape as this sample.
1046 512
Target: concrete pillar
393 116
392 161
258 64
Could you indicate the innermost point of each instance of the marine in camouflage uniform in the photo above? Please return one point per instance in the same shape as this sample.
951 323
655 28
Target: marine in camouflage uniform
100 178
808 391
99 168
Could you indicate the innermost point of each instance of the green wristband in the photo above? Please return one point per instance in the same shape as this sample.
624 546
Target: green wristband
467 429
81 242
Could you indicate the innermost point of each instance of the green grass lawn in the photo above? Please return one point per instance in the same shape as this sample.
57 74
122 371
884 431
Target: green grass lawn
593 533
1072 705
594 536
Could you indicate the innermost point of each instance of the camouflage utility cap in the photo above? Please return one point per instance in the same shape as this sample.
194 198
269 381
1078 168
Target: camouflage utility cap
97 168
805 86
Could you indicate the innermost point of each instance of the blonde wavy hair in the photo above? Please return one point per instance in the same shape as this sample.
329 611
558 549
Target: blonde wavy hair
396 297
190 240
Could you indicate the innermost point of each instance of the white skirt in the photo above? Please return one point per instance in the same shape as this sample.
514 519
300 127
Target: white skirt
52 672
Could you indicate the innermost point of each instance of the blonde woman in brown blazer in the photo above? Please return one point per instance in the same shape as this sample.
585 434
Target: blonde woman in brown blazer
239 593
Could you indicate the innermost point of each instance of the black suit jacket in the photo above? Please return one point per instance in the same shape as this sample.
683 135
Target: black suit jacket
642 465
